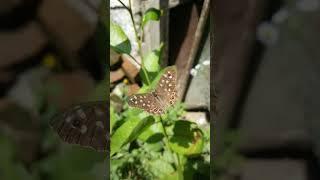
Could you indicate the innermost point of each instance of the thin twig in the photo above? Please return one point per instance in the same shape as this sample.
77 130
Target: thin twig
129 9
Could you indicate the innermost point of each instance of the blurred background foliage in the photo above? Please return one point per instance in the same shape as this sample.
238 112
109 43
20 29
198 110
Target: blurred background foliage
49 61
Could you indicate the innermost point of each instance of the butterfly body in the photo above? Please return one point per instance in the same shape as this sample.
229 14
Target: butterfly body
157 101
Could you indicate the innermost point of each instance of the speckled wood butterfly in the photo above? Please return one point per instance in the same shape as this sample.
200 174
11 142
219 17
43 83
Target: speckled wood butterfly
85 125
157 101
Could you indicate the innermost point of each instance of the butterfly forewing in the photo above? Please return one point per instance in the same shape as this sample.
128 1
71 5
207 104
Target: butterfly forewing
166 88
85 125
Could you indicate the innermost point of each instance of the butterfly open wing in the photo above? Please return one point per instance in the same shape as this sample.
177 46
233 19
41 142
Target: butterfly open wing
158 101
85 125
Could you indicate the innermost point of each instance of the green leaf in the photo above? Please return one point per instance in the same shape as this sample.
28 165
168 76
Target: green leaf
142 126
151 60
172 176
152 14
129 131
187 138
152 133
161 168
118 39
113 118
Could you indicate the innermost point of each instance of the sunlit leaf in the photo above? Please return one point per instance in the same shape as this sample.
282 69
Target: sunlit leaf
118 39
151 14
128 131
187 139
151 60
161 168
152 134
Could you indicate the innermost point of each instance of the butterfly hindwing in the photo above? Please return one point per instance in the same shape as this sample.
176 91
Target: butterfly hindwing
85 125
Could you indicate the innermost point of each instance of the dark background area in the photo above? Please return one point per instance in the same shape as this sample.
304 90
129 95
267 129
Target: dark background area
265 74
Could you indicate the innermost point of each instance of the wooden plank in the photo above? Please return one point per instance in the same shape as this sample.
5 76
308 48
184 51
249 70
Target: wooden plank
194 37
183 23
156 32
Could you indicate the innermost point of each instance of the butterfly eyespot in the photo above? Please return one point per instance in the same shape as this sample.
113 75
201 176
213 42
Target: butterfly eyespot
76 123
69 119
172 98
83 129
81 113
99 124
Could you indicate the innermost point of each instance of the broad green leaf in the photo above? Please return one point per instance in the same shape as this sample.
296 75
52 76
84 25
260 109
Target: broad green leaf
154 147
187 139
142 126
161 168
151 60
118 39
113 118
172 176
143 77
152 14
128 131
152 133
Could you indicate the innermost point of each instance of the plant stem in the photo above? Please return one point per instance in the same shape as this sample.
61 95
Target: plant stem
178 164
139 41
135 29
179 167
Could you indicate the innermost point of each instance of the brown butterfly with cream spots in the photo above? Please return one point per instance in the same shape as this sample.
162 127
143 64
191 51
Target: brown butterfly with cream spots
85 125
164 96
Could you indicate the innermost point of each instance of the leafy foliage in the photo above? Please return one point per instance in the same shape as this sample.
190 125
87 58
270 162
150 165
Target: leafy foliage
151 14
